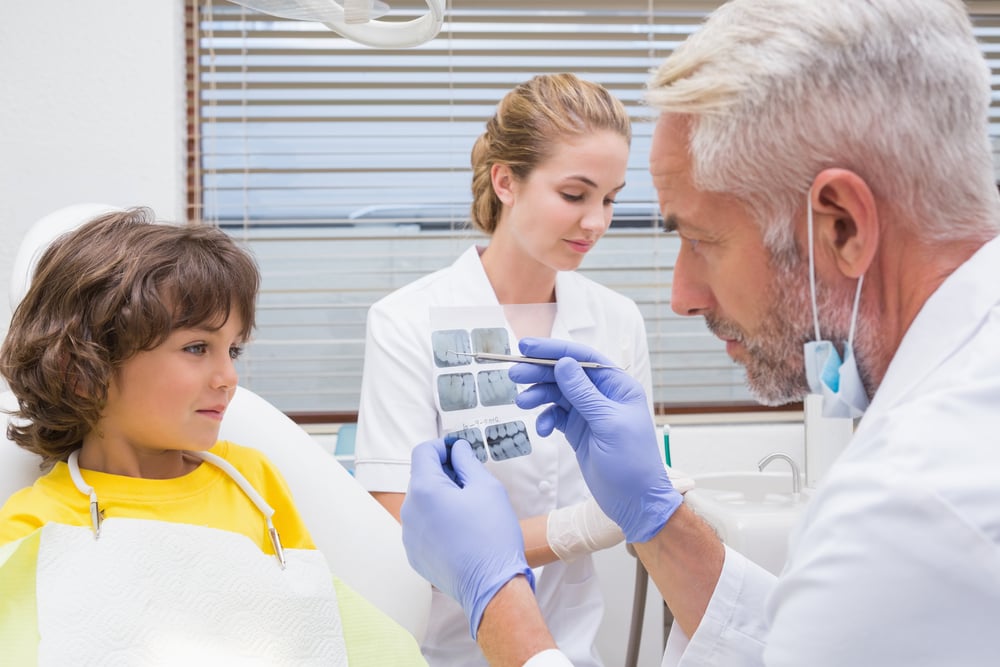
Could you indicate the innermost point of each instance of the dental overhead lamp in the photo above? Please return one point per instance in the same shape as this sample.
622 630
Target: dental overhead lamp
358 20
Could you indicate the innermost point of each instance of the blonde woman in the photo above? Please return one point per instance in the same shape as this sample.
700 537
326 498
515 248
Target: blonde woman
546 173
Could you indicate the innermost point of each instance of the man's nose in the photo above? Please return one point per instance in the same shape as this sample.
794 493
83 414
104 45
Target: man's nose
689 292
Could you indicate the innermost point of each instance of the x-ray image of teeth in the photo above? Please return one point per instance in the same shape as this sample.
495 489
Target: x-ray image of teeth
506 441
457 391
447 343
476 399
496 388
475 438
493 340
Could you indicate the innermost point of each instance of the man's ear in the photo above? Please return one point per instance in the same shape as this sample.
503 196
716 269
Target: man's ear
503 183
846 220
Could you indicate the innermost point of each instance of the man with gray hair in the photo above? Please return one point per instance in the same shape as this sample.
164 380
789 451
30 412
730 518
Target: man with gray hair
828 168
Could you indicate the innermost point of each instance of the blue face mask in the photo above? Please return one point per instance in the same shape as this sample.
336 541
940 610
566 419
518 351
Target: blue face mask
838 382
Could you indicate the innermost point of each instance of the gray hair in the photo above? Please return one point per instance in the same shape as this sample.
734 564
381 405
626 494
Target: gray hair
895 91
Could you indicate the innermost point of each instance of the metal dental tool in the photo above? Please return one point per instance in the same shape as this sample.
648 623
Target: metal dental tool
490 356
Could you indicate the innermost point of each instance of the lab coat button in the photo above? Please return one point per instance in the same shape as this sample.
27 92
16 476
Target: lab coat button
545 486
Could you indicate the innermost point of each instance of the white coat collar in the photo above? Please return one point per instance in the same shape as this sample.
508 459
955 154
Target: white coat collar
574 311
949 318
475 287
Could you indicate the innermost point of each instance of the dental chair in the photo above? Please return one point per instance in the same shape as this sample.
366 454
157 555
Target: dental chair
361 541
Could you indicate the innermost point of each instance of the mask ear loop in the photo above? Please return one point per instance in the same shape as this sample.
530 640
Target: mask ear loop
812 281
854 312
812 263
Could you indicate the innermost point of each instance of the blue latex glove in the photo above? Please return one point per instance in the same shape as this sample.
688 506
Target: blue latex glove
459 529
605 417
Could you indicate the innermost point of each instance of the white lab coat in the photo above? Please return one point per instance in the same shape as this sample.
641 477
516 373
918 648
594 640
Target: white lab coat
398 411
896 560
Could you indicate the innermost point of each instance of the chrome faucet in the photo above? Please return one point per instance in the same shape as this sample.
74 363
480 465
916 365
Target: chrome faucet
796 475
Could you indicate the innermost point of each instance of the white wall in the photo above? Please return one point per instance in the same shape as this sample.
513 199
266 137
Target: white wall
93 110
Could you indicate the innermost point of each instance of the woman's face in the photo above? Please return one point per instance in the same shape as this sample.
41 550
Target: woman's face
558 213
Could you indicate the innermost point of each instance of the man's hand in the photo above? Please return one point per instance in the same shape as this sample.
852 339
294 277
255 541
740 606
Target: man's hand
605 417
459 530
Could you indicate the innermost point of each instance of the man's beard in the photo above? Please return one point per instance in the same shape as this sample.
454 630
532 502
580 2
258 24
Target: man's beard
774 362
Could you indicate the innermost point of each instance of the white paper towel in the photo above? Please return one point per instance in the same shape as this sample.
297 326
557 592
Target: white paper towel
156 593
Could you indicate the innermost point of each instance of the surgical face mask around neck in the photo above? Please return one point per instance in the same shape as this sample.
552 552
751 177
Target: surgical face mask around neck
837 381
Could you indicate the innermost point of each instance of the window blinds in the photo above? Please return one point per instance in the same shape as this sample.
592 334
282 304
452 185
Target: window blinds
346 170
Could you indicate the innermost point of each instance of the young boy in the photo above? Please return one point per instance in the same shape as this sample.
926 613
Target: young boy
122 358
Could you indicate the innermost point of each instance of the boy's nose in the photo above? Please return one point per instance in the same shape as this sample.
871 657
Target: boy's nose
227 377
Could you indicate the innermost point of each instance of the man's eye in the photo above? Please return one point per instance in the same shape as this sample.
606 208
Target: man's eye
690 242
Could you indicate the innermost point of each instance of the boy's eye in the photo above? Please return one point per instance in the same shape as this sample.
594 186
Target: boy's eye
196 348
235 352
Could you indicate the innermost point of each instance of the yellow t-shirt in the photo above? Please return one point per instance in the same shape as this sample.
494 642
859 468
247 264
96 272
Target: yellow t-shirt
204 497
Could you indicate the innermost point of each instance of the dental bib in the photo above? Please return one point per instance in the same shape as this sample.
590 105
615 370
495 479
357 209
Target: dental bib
149 592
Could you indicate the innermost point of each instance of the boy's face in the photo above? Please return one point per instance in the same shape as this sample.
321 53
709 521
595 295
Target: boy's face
165 400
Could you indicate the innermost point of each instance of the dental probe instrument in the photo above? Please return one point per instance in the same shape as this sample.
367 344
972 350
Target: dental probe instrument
490 356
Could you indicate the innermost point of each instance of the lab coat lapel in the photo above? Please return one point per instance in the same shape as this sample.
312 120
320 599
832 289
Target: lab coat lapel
573 312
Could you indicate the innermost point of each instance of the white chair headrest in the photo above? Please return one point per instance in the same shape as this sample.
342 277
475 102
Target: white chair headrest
40 236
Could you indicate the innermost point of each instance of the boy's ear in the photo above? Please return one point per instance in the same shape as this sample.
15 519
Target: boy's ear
503 183
845 220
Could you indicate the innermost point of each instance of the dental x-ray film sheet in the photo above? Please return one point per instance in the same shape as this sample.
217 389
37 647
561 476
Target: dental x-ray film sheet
475 398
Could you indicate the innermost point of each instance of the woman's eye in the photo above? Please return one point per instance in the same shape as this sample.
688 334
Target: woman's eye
569 197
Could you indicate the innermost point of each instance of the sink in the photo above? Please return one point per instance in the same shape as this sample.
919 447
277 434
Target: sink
753 512
751 488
